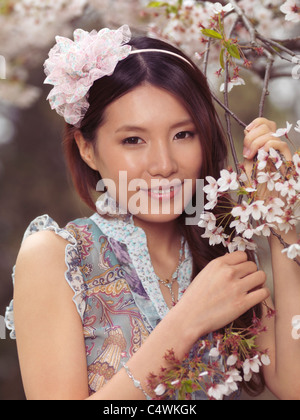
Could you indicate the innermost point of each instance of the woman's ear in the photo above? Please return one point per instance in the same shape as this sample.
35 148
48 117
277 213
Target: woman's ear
86 150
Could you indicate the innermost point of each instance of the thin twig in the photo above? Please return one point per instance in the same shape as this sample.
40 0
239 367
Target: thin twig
228 121
231 113
206 56
265 90
246 21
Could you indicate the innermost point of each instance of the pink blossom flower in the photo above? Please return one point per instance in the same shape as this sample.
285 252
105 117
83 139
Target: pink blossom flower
73 67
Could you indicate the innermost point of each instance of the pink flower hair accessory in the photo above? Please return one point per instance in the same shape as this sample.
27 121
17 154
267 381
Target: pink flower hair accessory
73 67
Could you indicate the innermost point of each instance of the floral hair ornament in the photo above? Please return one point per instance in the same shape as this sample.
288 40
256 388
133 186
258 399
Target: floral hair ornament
73 67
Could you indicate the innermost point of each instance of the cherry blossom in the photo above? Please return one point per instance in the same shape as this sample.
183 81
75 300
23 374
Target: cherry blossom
251 366
268 178
291 9
227 181
217 391
283 131
236 81
293 251
218 8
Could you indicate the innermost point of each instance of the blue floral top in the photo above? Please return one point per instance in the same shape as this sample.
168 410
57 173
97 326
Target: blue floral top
116 291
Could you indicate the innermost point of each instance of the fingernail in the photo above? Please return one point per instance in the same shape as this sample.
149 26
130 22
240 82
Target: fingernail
250 126
246 152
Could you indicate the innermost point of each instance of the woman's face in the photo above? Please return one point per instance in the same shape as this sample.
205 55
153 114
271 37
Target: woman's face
149 149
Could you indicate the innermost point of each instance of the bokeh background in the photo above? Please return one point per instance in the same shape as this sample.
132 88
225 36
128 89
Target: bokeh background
33 176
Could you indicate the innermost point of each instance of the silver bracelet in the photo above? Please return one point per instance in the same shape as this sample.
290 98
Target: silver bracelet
136 383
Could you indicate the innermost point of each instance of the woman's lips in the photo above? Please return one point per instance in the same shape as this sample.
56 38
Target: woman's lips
164 193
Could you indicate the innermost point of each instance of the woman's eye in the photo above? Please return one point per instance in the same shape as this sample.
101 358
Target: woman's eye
184 135
132 140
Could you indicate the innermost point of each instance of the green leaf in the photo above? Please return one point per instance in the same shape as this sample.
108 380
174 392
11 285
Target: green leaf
211 33
222 62
157 4
234 51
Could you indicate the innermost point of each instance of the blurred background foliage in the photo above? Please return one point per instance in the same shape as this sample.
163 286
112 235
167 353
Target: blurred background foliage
34 180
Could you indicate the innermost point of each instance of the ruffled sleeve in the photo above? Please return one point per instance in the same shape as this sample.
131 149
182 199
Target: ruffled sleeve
73 274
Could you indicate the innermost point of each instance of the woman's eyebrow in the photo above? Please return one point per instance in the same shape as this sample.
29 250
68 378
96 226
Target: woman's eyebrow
140 128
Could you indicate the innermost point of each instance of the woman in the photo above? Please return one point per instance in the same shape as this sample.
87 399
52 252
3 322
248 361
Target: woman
148 115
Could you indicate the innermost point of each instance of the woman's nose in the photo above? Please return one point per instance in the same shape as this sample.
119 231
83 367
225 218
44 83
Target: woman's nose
162 160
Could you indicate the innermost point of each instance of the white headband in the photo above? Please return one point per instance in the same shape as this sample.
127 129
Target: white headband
161 51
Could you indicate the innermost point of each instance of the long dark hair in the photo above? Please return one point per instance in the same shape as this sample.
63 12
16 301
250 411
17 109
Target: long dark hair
190 86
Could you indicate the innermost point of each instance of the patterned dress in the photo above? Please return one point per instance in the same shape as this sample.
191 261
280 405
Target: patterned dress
116 291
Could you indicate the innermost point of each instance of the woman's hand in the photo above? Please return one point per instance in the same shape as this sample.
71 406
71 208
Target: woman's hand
258 135
224 290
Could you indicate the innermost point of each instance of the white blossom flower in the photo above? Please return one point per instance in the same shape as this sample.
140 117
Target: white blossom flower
293 251
228 181
160 389
241 244
214 352
218 8
249 366
288 188
241 212
283 131
233 376
211 189
232 359
217 391
262 159
276 159
239 226
207 220
257 209
236 81
291 10
296 161
264 229
265 359
215 236
273 211
269 178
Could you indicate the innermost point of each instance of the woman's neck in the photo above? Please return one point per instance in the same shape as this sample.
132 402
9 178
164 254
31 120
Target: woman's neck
161 237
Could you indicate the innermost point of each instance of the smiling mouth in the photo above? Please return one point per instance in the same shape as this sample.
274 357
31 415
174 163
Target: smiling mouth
164 192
